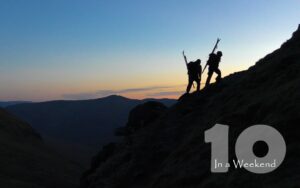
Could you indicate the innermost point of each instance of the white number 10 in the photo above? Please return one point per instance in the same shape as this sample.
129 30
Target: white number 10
218 137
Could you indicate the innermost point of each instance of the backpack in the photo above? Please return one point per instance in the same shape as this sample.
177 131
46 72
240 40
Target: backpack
193 68
213 60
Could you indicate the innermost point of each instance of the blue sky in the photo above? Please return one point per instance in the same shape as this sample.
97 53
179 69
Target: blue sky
58 48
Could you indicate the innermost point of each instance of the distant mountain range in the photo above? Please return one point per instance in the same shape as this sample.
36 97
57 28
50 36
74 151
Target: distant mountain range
4 104
79 128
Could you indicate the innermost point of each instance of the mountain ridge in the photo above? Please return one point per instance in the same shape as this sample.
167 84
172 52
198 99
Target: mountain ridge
79 128
171 152
5 104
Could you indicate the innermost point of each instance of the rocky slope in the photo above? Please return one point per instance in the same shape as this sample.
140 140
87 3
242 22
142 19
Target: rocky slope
26 162
170 151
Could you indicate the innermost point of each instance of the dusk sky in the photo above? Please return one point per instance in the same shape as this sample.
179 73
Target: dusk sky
70 49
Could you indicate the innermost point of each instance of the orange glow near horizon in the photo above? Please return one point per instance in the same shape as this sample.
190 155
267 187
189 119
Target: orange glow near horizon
171 86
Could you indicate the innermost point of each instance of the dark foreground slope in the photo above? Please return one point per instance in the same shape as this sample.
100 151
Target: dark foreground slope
170 152
26 162
78 128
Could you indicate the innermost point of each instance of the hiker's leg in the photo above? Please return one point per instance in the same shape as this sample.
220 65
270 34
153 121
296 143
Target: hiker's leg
198 84
210 73
189 85
219 75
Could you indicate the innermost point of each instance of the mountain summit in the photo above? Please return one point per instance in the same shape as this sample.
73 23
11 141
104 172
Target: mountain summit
170 151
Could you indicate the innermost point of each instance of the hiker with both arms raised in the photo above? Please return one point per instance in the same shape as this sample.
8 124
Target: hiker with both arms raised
213 63
194 73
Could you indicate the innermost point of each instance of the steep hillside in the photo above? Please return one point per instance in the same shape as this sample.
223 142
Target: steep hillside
170 151
78 128
26 162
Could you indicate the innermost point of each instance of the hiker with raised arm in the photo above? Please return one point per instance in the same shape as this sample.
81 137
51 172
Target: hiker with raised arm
194 72
213 65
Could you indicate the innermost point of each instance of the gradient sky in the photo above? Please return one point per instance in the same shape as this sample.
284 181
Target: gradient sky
70 49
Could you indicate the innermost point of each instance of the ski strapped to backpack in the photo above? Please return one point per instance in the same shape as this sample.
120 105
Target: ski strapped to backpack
186 63
213 51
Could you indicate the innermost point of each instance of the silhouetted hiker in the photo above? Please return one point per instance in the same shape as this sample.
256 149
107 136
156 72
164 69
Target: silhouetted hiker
213 63
194 72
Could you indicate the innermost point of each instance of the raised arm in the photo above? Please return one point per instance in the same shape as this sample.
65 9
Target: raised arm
186 62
